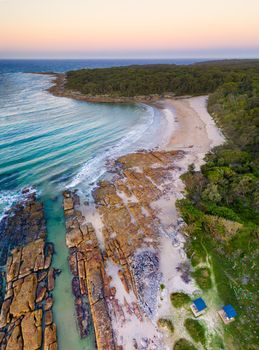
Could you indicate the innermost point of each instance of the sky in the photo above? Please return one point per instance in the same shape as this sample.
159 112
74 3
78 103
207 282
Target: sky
129 28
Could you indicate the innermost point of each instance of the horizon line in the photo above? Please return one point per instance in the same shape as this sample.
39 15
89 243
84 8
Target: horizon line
133 58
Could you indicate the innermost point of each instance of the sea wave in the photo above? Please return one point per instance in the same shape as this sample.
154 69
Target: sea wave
94 168
10 198
145 135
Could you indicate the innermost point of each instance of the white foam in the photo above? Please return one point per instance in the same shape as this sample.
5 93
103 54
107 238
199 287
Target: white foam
145 135
9 198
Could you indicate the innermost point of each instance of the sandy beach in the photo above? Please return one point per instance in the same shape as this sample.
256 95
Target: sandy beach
196 134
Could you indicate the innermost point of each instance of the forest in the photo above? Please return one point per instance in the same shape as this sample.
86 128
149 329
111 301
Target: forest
222 208
160 79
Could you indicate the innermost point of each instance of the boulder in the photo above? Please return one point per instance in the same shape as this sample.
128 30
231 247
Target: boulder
48 318
74 238
51 279
13 266
48 256
41 292
32 257
4 315
73 264
31 330
68 203
50 337
15 341
24 296
48 304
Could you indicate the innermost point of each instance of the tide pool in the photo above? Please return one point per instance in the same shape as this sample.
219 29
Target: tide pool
63 308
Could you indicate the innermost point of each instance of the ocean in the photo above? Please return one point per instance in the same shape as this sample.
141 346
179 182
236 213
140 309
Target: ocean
50 143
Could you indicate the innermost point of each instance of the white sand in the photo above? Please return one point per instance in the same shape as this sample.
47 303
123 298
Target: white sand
196 134
128 329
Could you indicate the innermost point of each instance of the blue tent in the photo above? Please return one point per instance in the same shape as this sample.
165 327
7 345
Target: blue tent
199 304
230 311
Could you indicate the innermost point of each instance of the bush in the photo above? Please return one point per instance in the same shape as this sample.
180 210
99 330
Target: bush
202 277
183 344
162 286
165 323
196 330
224 212
179 299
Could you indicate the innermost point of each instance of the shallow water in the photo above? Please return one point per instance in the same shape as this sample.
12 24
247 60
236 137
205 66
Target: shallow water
63 307
46 140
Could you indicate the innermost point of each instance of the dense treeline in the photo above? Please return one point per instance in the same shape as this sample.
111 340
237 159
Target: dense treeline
202 78
222 207
235 105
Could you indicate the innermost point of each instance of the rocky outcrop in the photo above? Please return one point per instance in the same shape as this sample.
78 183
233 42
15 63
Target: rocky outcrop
89 281
29 280
24 293
31 327
22 224
114 260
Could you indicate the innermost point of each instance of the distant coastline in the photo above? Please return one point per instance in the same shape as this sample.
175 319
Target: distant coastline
58 89
152 82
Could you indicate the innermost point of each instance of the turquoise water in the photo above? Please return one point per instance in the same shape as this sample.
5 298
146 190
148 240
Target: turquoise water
52 143
63 307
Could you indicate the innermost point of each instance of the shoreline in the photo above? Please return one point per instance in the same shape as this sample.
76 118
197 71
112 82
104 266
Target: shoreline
133 222
57 89
180 108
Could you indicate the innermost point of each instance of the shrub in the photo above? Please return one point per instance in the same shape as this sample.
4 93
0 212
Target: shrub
165 323
179 299
196 330
162 286
224 212
202 277
183 344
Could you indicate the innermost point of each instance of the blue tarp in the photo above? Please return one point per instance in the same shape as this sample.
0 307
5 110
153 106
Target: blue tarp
199 304
230 311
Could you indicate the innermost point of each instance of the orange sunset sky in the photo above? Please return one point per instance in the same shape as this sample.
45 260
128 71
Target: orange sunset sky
129 28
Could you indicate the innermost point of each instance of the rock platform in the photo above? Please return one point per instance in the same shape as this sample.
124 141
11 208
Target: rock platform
26 320
114 250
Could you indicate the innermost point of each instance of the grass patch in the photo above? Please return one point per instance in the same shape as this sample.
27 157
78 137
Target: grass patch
196 330
195 260
162 286
202 277
165 323
183 344
179 299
